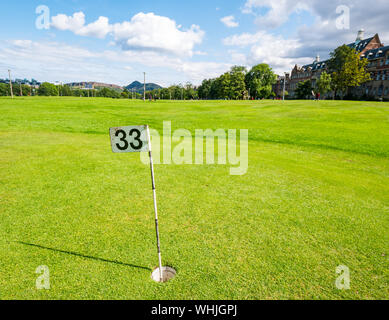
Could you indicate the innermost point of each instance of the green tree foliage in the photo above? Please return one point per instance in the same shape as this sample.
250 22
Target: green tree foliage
176 92
25 89
4 89
165 93
108 93
48 89
225 86
259 81
79 93
65 91
230 85
124 94
304 89
348 69
190 92
216 89
204 90
323 85
237 83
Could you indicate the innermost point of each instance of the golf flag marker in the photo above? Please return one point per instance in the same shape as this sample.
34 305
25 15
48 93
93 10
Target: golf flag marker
137 139
130 139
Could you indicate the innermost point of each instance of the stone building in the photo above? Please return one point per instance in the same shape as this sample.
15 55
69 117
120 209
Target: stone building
371 48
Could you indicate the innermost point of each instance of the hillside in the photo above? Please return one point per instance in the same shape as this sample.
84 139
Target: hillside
138 87
94 85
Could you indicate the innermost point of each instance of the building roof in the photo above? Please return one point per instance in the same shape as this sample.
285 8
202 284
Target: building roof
360 45
316 65
376 53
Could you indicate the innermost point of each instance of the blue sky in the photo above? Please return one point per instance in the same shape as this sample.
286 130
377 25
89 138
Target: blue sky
173 41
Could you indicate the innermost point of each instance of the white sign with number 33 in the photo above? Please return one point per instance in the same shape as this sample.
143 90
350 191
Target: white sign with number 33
129 139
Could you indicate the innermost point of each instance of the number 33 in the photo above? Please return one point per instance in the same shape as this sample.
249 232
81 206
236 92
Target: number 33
125 142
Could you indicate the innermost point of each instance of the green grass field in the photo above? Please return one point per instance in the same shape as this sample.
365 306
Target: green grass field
316 196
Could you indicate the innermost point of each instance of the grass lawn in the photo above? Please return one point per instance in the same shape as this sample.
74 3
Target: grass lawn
316 196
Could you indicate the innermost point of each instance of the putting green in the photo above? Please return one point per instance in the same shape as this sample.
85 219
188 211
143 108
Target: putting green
315 196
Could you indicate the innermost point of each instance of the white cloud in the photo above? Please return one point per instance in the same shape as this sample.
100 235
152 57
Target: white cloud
230 22
278 53
277 12
272 14
267 48
76 23
73 23
199 71
243 40
200 53
144 32
22 43
150 32
98 29
237 58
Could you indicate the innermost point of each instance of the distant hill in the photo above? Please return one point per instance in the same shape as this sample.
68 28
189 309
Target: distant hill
94 85
138 87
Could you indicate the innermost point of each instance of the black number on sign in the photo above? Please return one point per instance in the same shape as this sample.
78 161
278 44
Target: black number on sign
123 139
137 138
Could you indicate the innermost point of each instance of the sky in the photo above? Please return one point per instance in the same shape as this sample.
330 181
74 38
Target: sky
173 41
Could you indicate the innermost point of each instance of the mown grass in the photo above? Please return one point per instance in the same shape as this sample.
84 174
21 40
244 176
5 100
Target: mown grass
316 196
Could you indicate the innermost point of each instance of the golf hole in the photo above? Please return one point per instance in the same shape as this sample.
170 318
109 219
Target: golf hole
168 273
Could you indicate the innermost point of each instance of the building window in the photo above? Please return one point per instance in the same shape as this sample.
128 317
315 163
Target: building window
380 90
386 91
387 60
381 62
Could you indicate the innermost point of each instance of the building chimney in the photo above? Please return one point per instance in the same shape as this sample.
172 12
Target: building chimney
317 60
361 35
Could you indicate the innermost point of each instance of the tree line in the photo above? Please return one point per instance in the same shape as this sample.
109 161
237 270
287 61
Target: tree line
236 84
345 70
49 89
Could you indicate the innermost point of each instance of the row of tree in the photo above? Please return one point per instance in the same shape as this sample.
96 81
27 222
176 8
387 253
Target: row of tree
49 89
238 84
19 89
175 92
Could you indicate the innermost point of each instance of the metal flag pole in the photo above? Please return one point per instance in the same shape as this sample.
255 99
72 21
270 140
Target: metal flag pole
155 206
10 83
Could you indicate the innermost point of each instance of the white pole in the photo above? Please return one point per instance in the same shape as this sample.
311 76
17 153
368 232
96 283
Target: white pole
10 83
155 206
144 86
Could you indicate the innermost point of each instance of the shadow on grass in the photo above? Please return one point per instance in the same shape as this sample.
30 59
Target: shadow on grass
84 256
